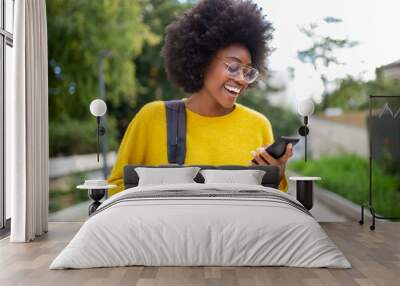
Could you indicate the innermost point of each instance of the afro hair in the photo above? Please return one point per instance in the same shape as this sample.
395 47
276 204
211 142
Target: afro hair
193 39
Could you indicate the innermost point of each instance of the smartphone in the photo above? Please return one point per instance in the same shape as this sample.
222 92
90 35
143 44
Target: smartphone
278 148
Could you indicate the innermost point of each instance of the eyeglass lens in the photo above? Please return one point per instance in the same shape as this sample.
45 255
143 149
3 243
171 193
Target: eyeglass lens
249 74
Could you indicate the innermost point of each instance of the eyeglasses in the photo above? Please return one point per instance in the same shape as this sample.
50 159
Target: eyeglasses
248 74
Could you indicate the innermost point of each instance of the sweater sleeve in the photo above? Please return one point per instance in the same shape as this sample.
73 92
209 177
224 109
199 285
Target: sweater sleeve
268 138
131 151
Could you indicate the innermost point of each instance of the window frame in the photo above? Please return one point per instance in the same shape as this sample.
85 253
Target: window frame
6 39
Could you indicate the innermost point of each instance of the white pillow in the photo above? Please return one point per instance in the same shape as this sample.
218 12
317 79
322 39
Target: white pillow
249 177
162 176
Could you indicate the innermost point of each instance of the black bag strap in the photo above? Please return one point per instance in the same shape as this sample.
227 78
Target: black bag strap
176 131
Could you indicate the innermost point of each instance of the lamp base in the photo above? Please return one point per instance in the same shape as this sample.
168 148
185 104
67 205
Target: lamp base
96 195
303 130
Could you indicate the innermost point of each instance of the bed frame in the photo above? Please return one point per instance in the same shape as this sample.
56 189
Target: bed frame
270 179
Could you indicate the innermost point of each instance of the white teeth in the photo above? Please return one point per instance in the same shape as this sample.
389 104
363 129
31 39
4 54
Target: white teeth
233 89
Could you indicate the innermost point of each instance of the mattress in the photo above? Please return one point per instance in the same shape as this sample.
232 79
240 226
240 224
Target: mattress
198 224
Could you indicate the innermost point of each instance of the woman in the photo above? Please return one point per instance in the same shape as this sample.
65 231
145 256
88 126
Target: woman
215 51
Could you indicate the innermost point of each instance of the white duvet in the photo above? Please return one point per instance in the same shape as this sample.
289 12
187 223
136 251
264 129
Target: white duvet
200 231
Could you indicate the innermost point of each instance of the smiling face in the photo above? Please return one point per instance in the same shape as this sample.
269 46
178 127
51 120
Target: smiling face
225 89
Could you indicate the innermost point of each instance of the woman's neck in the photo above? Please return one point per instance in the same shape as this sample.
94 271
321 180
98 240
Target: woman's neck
204 104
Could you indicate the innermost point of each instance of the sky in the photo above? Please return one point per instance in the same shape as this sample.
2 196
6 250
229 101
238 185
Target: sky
374 24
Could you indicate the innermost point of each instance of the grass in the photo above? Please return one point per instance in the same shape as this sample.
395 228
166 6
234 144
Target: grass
68 196
347 175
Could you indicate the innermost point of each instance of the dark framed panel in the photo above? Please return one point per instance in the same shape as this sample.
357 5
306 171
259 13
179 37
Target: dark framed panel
384 151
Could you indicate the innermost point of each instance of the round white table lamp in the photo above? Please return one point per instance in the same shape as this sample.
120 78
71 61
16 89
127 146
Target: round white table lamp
98 107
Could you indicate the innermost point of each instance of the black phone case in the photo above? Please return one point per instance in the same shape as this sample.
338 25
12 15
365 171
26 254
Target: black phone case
277 149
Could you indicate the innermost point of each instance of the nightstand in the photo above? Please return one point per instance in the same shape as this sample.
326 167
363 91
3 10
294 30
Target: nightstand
304 190
96 191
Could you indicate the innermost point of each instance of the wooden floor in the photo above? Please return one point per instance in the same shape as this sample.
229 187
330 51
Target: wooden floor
374 255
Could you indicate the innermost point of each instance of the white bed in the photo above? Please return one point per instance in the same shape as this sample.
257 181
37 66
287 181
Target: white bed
269 228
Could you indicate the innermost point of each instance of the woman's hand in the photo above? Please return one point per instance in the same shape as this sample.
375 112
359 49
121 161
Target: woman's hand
263 158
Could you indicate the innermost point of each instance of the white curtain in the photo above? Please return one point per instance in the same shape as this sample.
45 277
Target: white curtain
27 124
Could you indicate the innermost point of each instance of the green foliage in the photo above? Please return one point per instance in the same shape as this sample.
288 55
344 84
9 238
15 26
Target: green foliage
347 175
352 94
132 31
383 86
63 198
73 136
152 82
78 30
284 122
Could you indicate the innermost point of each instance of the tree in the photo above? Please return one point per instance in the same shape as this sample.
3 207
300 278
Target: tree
322 51
352 94
384 85
77 31
152 82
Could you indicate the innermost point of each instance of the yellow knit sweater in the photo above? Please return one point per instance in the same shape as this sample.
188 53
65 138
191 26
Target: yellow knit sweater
220 140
